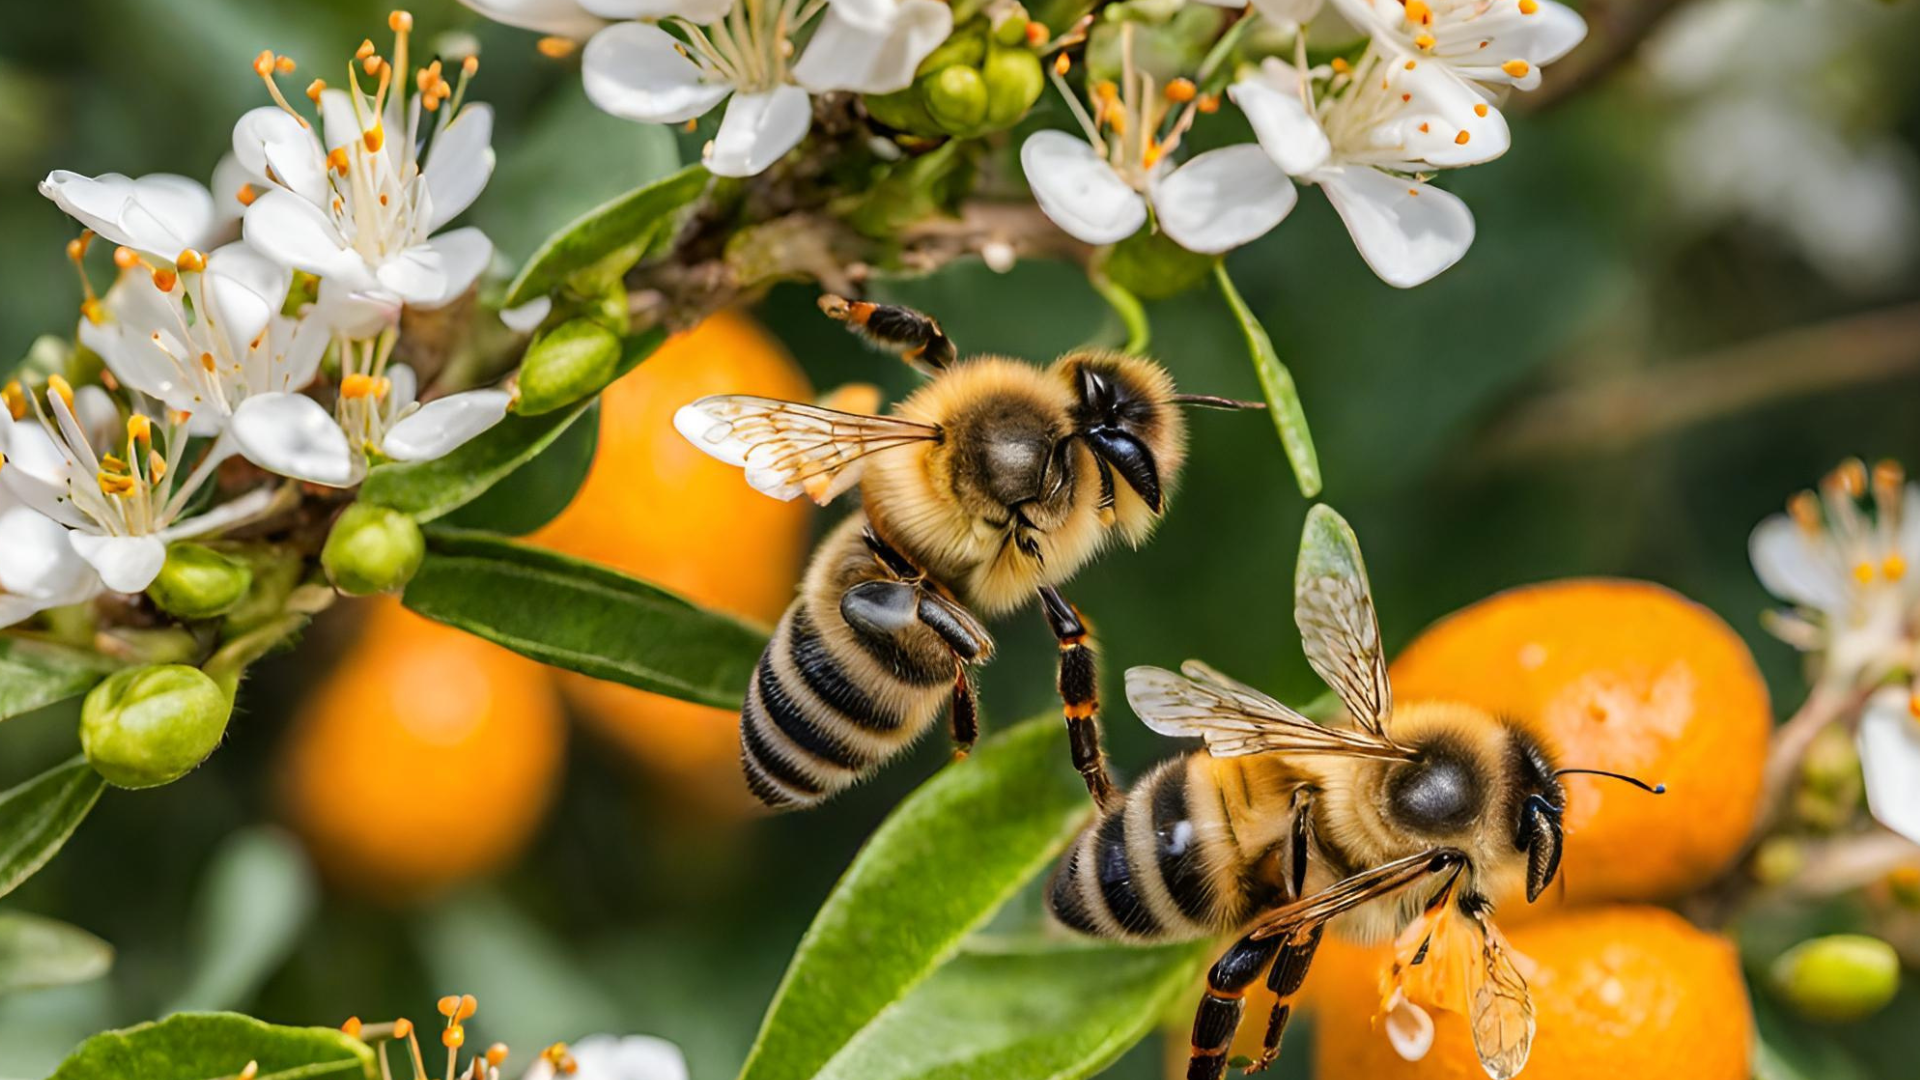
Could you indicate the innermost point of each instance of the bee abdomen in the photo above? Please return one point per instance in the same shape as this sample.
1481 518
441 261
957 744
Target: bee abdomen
809 729
1138 873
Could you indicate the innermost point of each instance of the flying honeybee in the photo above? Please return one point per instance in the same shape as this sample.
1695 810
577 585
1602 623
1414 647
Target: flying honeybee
1402 822
986 488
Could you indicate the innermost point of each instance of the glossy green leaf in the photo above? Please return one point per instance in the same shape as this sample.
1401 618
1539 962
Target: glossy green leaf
584 617
936 869
430 489
210 1046
1283 400
627 223
35 674
36 952
255 898
538 491
37 817
1050 1014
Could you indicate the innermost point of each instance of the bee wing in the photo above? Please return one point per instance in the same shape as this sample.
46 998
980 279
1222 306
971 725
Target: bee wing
1235 719
1343 896
787 448
1333 607
1501 1008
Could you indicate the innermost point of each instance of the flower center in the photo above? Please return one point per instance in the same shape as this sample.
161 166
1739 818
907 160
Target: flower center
1134 124
749 49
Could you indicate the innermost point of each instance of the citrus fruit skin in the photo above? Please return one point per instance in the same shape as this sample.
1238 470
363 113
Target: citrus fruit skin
1624 676
658 508
1618 991
427 758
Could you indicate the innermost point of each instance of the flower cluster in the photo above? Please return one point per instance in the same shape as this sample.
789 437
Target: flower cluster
216 347
1843 558
1421 96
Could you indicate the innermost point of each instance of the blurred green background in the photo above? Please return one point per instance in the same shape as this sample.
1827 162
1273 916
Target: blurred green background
1693 291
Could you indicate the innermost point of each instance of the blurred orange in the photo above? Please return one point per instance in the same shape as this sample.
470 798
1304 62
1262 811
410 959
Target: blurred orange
1617 991
1629 677
658 508
427 758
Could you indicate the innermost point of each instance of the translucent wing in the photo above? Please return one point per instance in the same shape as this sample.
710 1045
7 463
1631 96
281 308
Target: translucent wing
1364 887
787 448
1236 719
1500 1008
1333 607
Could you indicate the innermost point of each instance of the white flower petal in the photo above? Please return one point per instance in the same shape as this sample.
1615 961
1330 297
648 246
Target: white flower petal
1292 137
459 164
1222 199
1285 12
842 55
565 18
244 290
355 313
1409 1028
36 471
442 425
274 147
37 558
294 436
873 16
636 1057
528 316
161 214
228 514
1889 741
127 564
758 130
1791 569
1078 190
436 273
1407 231
697 11
635 70
295 233
1445 124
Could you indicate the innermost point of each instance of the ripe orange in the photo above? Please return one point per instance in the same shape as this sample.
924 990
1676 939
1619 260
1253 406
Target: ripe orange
658 508
1629 677
1617 991
427 758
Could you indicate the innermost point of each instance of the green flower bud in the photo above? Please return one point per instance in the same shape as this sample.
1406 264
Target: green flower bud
1014 82
1779 859
1832 763
965 47
1839 979
574 360
1010 27
956 98
275 569
904 111
372 549
148 726
198 582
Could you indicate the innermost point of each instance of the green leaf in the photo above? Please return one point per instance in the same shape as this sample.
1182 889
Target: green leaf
538 491
1283 400
34 674
584 617
256 897
938 868
430 489
37 952
209 1046
1051 1014
37 817
627 223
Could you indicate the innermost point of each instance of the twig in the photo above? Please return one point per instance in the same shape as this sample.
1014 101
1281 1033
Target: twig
1826 705
1850 862
1618 411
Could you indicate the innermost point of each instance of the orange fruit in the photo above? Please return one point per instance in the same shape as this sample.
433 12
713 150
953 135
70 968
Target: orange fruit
660 509
1617 990
427 758
1624 676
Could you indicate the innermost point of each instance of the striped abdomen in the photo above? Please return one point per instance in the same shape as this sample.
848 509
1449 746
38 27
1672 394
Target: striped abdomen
1163 867
826 707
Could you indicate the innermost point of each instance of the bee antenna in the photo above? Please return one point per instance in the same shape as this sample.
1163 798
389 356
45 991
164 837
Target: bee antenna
1652 789
1212 401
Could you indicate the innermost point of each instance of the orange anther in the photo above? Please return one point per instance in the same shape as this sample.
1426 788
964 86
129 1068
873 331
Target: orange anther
263 64
1480 109
1516 68
400 21
454 1036
77 248
1181 91
1419 12
92 310
1061 64
1037 33
468 1003
1461 139
1424 42
139 428
470 66
114 485
351 1027
1340 65
252 1070
1893 567
1106 90
1411 65
1863 573
402 1028
1209 103
555 47
374 137
365 50
246 195
60 386
156 466
337 159
497 1054
372 65
315 89
164 278
190 261
15 399
283 65
1529 7
125 258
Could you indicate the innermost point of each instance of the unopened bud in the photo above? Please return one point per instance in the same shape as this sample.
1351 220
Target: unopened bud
372 549
569 363
197 582
956 98
1778 860
1838 979
1010 26
148 726
1014 82
1832 763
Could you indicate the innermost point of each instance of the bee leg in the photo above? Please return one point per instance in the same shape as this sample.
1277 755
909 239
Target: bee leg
886 609
916 337
1079 695
1219 1014
965 714
1289 971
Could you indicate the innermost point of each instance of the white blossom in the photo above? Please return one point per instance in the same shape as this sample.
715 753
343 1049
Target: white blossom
1491 43
39 569
610 1057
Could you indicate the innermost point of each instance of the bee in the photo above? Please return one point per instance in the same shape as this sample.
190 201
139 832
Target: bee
982 492
1401 822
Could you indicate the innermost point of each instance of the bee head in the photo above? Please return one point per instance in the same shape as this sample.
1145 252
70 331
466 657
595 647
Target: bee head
1539 833
1125 410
